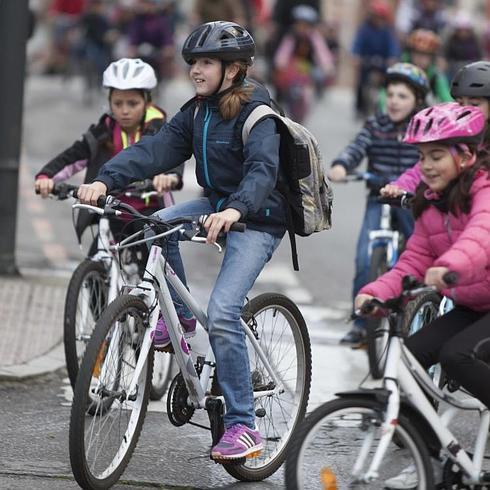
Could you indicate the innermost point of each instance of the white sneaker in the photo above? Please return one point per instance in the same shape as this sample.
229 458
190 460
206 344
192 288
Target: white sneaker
406 479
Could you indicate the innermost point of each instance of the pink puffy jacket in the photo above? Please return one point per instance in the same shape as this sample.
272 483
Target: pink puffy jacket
410 179
460 243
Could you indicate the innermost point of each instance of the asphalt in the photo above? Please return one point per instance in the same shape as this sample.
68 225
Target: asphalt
31 325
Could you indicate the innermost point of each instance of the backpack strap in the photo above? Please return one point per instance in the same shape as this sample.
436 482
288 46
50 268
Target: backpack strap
260 112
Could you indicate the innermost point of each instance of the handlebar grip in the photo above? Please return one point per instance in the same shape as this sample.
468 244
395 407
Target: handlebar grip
239 227
450 278
101 200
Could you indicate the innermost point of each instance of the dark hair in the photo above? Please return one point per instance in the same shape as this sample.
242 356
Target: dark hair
458 195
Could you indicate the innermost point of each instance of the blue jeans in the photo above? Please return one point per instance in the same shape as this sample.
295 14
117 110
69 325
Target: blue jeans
245 256
372 217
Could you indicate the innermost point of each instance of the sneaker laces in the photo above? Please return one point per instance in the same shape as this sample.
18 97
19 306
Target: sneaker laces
230 434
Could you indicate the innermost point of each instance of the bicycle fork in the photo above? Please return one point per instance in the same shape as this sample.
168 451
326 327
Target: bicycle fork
388 424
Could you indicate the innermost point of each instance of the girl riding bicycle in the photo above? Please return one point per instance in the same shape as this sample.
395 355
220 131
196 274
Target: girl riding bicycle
132 115
239 181
380 141
470 86
452 233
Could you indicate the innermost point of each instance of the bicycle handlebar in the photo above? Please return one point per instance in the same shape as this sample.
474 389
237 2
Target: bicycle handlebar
411 288
404 201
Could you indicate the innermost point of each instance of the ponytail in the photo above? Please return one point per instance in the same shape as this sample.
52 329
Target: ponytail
231 102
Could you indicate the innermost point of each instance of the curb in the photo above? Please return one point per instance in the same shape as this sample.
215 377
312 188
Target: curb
53 360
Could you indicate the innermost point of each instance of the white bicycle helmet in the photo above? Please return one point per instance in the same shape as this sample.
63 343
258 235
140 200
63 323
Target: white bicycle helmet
129 74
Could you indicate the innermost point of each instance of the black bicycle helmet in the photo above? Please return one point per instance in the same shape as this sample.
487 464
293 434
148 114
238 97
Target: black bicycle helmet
472 80
226 41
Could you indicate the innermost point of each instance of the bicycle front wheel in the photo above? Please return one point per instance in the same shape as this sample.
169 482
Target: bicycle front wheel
86 298
280 329
333 439
107 416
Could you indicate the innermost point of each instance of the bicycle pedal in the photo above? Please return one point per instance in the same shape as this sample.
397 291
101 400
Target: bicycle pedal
169 349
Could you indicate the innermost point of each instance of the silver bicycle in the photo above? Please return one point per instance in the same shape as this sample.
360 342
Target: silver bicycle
111 393
367 437
97 281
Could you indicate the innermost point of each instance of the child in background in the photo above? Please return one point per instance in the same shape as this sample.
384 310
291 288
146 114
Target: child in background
380 141
132 115
470 86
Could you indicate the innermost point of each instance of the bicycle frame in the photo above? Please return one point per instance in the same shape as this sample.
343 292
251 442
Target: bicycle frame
385 237
404 374
154 290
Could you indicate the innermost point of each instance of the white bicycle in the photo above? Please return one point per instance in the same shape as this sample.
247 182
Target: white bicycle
366 437
96 282
111 393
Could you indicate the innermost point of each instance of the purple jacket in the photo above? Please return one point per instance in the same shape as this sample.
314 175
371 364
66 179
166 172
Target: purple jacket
460 243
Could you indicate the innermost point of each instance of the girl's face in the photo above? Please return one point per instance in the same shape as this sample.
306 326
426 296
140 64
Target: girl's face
205 74
400 101
438 165
128 108
481 102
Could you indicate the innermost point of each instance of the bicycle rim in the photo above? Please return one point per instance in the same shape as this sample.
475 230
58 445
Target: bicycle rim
329 442
281 332
103 436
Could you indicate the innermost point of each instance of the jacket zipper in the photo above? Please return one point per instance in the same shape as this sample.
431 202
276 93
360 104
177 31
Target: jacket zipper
207 118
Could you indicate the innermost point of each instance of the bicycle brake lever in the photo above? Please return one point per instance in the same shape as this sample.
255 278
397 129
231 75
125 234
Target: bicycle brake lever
200 239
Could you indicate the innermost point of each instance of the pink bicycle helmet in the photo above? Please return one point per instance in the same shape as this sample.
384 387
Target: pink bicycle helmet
447 121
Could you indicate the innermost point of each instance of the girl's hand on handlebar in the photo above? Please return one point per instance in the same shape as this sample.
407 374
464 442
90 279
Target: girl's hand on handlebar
337 173
360 300
89 193
391 190
434 276
220 221
44 186
165 182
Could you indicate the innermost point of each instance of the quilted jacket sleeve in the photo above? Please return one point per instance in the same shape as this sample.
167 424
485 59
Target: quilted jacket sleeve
470 253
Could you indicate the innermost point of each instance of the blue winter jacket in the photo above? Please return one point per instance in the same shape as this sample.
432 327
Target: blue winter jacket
233 175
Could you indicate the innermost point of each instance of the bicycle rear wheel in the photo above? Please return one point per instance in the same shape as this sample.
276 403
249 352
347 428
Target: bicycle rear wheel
328 444
106 419
280 329
86 298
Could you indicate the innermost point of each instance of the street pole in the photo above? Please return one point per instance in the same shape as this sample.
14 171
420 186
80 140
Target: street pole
14 15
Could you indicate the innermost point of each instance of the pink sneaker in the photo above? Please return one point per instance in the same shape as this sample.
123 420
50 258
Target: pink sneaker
161 338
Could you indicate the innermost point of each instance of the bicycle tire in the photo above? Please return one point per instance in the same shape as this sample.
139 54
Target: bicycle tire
82 311
266 315
124 324
163 367
376 331
316 450
418 313
424 306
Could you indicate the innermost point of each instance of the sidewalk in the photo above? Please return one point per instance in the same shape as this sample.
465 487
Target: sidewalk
31 325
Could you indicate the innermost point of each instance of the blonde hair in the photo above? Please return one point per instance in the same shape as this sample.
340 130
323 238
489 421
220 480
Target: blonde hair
231 103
